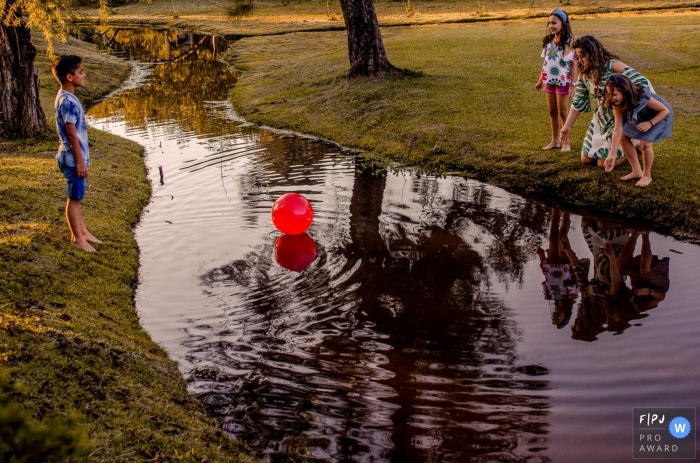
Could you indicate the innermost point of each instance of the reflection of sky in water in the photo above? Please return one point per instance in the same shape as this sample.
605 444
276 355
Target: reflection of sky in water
413 335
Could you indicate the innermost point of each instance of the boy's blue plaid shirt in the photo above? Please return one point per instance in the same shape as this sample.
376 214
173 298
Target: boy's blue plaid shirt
70 111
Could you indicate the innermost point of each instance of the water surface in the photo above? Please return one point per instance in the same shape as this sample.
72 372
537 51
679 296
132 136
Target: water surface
422 331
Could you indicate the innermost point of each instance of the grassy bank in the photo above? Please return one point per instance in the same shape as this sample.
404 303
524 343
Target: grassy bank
474 109
284 16
68 328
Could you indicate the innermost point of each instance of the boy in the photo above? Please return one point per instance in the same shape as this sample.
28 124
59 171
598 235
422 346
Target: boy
73 152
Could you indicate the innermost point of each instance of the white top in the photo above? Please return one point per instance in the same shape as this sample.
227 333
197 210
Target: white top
557 66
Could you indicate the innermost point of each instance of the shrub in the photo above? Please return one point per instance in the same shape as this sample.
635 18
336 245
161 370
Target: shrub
236 9
26 440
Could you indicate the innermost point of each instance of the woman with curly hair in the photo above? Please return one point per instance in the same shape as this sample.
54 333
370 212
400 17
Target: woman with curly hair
595 66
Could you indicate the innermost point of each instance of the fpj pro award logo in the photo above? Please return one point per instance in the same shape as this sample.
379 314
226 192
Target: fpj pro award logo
664 433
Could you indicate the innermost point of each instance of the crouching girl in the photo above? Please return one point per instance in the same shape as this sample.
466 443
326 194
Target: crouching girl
641 115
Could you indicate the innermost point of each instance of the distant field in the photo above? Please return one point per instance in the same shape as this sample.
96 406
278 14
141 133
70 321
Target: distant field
275 16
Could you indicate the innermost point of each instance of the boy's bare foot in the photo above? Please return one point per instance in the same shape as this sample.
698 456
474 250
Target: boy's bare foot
92 239
566 147
644 181
631 176
84 245
552 146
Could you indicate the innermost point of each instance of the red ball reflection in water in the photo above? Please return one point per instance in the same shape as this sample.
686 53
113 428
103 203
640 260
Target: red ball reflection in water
295 252
292 214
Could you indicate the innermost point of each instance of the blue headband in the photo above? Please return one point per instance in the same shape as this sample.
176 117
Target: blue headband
561 14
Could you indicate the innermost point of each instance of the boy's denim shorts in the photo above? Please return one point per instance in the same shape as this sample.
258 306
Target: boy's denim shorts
75 186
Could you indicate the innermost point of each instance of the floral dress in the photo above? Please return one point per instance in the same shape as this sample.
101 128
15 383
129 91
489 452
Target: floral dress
596 144
557 67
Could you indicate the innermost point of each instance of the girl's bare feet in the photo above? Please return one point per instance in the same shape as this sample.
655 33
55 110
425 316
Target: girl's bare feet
644 181
631 176
565 147
552 145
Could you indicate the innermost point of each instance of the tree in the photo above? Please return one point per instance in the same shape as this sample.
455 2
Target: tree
20 109
365 45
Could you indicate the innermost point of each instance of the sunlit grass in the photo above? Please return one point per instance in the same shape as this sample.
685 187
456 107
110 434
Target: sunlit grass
20 234
474 109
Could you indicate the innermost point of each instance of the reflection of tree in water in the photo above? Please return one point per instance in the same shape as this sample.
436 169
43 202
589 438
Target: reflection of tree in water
175 92
514 230
178 90
388 347
427 300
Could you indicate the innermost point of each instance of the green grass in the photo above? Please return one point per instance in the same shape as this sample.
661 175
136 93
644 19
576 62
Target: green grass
69 332
474 110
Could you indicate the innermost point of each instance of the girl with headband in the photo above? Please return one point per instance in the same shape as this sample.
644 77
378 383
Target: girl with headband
558 73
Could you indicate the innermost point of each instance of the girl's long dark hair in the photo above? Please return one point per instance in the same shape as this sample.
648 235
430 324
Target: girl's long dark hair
565 36
596 57
631 92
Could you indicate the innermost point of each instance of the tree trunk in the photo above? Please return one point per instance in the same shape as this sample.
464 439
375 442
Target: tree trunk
365 45
20 109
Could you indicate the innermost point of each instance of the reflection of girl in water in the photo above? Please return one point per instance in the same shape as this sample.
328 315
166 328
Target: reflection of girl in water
559 283
648 274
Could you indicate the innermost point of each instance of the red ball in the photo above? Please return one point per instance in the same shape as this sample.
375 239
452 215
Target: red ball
292 214
295 252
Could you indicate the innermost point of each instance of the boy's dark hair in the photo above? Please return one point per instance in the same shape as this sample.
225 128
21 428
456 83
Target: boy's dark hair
596 57
64 65
631 92
565 36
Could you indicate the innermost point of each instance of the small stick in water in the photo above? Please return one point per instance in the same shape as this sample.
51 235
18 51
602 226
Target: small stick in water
162 179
